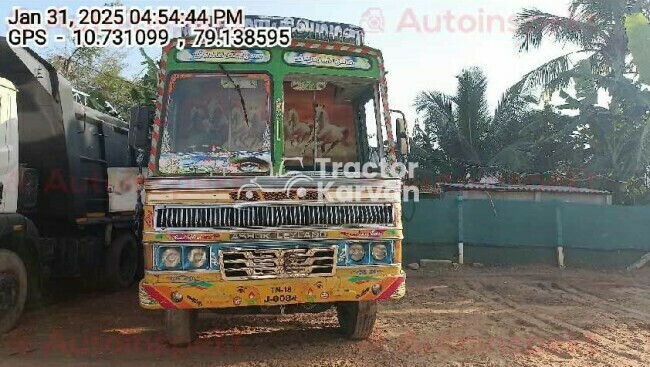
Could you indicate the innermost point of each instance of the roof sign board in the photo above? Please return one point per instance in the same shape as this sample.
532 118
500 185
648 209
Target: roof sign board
306 29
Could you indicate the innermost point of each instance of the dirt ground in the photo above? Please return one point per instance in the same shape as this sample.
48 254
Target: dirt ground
469 317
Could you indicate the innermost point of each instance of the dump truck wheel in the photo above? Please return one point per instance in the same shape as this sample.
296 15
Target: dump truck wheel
357 319
122 261
13 289
180 327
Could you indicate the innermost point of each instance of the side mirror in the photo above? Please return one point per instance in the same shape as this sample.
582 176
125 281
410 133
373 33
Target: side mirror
139 124
402 137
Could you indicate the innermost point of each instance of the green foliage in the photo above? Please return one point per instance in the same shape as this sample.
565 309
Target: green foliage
94 71
459 139
638 33
99 72
612 136
457 123
146 87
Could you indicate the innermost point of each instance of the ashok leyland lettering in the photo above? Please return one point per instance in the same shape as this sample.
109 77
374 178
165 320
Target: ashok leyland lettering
242 210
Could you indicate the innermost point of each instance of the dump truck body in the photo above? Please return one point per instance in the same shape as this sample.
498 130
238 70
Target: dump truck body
57 159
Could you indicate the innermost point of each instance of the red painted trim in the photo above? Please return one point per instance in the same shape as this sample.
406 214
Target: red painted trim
390 290
153 293
168 48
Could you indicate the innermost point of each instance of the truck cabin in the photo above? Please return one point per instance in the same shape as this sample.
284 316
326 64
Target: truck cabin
313 106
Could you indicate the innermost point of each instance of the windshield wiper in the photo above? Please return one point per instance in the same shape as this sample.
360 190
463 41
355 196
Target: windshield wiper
241 97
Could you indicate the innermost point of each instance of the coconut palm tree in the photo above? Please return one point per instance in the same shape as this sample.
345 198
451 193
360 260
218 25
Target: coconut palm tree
459 122
617 133
594 28
460 138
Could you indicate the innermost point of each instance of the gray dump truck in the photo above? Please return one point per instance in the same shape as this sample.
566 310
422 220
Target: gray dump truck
67 187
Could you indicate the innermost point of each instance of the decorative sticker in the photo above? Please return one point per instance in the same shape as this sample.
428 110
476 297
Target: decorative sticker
217 55
307 85
188 237
371 233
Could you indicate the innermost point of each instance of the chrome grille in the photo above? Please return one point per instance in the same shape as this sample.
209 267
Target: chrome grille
273 216
265 263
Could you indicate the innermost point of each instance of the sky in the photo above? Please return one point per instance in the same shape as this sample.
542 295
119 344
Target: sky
425 43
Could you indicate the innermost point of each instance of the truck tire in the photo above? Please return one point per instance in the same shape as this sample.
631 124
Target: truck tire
180 327
122 261
357 319
13 289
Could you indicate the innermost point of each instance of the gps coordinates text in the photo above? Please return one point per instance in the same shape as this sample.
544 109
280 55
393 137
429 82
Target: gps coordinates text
133 26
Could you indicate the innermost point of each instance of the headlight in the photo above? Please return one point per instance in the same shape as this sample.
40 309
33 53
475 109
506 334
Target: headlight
379 251
356 252
197 257
171 258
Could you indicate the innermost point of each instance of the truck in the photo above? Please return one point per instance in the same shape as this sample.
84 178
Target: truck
254 200
67 187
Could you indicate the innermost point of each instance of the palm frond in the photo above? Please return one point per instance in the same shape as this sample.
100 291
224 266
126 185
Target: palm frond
435 102
533 25
549 73
472 112
513 101
471 96
459 118
596 11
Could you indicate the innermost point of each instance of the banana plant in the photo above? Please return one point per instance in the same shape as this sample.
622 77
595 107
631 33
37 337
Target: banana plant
638 34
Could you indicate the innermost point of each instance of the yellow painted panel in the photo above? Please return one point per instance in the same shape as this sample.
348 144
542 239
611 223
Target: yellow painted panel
209 290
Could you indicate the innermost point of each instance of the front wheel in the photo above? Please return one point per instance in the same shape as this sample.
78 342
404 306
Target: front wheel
13 289
180 327
357 319
122 261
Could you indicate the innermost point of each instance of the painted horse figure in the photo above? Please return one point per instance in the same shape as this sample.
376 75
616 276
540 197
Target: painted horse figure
297 132
329 133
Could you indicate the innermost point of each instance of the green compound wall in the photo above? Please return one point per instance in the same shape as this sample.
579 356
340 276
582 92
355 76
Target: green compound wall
519 232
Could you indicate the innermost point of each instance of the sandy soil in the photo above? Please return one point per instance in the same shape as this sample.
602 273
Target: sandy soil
469 317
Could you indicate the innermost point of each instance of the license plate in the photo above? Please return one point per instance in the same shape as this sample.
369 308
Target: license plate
281 294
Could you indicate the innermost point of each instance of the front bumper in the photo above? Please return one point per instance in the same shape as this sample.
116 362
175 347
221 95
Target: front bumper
209 290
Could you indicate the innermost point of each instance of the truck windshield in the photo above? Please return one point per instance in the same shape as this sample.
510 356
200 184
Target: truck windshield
207 128
328 118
